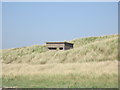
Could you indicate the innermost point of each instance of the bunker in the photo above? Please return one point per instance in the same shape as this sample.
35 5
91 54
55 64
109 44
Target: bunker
59 45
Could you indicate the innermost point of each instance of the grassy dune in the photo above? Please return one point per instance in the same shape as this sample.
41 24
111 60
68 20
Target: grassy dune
85 50
93 63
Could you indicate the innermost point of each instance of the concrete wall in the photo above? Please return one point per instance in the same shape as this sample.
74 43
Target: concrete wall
59 46
55 45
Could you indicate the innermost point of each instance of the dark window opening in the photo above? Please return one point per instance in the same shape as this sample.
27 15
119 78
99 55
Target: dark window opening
52 48
61 48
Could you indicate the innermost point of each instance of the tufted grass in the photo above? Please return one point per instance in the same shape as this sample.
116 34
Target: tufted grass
92 63
78 75
85 50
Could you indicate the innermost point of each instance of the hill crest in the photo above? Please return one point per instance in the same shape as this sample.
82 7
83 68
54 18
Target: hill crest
85 50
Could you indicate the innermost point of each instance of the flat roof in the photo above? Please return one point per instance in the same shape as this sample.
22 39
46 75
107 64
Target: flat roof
58 43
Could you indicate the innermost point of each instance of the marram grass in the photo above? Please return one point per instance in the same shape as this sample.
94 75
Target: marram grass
85 50
78 75
93 63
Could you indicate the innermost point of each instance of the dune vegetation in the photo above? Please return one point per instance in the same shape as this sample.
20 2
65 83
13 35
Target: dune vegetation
92 63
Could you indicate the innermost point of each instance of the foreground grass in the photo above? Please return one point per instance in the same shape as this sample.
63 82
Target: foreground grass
77 75
62 81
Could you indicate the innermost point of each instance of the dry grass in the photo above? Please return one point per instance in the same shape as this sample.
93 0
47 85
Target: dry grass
91 64
77 75
97 68
93 49
0 69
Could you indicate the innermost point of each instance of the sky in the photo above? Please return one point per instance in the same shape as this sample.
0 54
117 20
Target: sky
31 23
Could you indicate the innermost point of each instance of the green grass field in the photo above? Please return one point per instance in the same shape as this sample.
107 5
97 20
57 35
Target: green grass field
93 63
61 81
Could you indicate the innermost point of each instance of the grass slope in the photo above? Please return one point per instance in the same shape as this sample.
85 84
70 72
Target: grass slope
91 64
85 50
